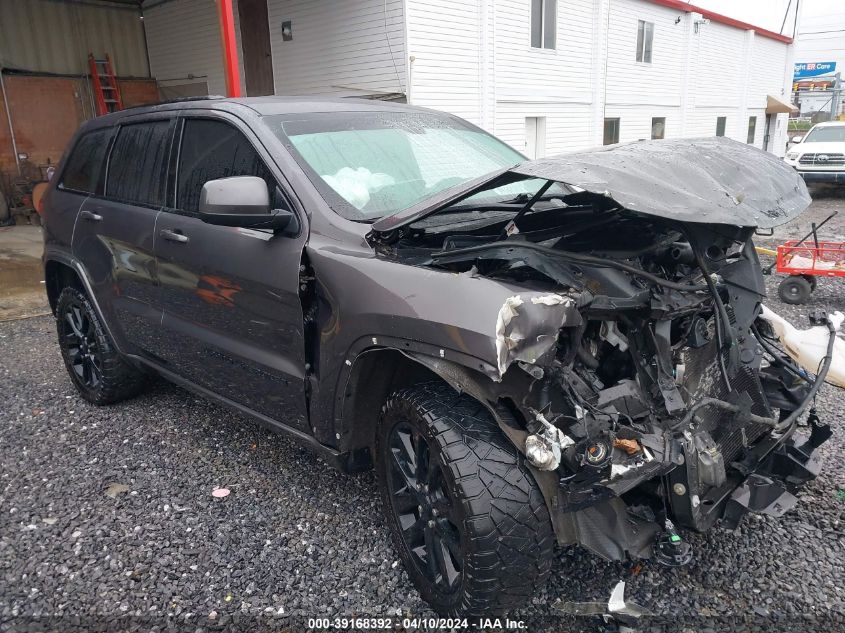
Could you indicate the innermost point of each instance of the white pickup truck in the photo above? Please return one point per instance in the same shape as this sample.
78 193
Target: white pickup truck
820 155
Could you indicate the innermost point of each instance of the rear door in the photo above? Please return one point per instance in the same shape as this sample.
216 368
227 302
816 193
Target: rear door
115 230
82 175
232 318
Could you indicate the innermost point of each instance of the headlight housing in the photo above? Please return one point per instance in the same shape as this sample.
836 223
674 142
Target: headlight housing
792 155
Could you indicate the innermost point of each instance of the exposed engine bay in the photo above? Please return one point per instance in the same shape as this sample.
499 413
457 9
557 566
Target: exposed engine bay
636 372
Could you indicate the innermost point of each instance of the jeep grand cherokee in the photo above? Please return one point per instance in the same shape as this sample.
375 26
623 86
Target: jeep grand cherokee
559 351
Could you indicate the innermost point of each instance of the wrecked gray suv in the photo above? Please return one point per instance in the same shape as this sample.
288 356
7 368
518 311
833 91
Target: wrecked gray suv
561 351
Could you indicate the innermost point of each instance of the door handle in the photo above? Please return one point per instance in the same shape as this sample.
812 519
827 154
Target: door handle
90 215
173 236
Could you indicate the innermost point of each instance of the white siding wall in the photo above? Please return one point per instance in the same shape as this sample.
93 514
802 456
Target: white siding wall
444 41
566 128
719 86
768 61
630 82
337 47
474 59
183 39
555 83
349 47
544 75
636 91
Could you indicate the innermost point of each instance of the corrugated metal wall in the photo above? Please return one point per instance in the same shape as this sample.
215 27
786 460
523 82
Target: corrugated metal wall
184 41
56 36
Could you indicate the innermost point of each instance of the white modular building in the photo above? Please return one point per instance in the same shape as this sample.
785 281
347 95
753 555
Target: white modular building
546 76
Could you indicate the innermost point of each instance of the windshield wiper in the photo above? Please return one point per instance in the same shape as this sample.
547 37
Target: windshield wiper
511 227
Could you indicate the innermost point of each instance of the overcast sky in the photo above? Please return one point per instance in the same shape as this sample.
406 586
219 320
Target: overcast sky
768 14
821 34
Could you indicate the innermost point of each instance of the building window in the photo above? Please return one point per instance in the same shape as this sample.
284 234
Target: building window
658 127
720 125
752 130
645 38
543 23
611 131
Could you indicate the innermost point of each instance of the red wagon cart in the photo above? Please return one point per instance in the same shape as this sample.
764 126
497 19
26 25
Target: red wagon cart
804 261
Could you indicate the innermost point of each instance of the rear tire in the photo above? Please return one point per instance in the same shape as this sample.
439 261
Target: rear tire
97 370
469 521
794 290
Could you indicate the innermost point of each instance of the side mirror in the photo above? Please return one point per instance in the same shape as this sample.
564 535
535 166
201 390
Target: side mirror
797 139
242 201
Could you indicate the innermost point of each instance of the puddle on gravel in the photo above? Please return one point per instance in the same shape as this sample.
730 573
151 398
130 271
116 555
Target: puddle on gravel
21 291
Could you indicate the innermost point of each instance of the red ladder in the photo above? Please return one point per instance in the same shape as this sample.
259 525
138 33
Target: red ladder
106 93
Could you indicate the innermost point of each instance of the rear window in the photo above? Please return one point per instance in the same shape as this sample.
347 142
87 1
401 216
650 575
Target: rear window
138 163
85 163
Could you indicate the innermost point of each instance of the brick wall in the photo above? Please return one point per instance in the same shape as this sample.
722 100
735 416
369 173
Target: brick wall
137 92
46 111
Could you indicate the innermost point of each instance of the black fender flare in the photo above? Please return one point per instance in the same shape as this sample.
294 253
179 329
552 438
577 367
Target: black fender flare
76 266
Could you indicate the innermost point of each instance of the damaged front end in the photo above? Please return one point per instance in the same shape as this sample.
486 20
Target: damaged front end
636 371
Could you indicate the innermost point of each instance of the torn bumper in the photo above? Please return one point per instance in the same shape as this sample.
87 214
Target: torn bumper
765 482
770 488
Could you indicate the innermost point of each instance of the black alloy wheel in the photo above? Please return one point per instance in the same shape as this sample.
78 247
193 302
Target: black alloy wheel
466 516
79 339
423 508
98 371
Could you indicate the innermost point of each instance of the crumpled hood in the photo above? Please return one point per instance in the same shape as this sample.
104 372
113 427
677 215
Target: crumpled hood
705 180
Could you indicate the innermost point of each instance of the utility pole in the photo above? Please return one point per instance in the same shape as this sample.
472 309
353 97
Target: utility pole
836 99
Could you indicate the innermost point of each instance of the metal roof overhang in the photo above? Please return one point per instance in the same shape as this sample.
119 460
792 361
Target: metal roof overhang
776 105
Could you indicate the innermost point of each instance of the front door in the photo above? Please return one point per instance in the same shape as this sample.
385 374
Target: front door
232 319
114 232
255 43
767 137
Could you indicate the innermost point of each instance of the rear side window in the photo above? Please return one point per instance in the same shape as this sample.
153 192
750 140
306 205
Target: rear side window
138 163
85 163
213 149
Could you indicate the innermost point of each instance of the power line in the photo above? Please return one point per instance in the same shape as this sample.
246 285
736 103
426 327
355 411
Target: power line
785 15
820 32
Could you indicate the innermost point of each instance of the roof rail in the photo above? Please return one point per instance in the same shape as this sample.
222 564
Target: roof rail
184 99
178 100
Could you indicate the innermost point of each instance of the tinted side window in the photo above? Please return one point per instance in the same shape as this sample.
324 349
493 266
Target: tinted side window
213 149
138 163
85 163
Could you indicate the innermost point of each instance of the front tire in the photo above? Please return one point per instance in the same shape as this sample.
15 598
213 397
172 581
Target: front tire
469 521
96 369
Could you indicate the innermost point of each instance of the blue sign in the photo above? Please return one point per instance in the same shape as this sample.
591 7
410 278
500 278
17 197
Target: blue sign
814 69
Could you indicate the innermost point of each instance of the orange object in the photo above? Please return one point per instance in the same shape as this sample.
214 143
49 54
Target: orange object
629 446
106 93
38 192
231 69
826 259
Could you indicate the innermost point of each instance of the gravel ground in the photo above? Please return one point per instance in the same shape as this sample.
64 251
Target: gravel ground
296 539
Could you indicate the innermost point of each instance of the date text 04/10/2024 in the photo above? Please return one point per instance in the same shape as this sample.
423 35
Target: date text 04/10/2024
410 624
